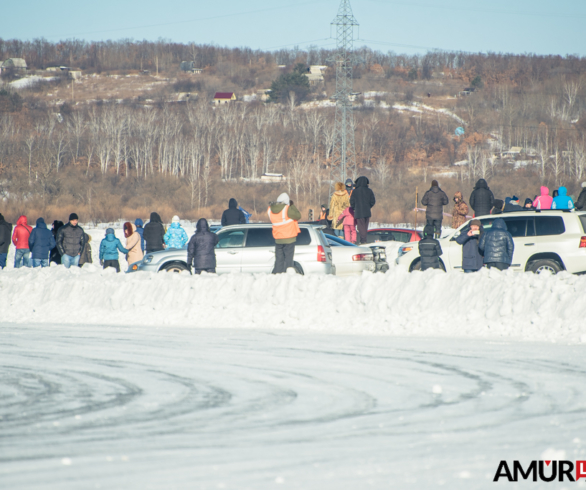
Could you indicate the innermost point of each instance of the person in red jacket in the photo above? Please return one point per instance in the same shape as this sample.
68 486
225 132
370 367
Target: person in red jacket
20 236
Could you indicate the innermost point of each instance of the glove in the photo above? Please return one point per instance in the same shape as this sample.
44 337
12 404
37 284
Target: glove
102 263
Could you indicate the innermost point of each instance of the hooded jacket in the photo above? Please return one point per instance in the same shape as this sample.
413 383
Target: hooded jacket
5 233
497 244
201 251
435 199
21 234
471 258
109 247
429 249
562 201
340 199
133 245
581 202
233 215
481 199
347 217
460 211
362 199
175 236
153 233
41 240
544 201
86 253
139 229
70 240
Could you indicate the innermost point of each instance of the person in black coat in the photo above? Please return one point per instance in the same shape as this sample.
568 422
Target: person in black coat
55 255
512 205
5 238
153 234
201 251
471 259
362 200
528 206
435 199
497 246
481 199
581 202
498 206
429 249
233 215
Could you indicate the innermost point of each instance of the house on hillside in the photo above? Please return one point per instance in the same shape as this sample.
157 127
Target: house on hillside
272 178
264 94
74 75
17 64
315 74
189 67
224 97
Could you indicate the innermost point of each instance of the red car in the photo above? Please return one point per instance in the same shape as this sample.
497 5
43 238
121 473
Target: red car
393 234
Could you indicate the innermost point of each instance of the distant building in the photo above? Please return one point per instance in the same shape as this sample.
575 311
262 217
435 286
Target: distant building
315 74
74 75
224 97
189 67
264 94
272 178
17 64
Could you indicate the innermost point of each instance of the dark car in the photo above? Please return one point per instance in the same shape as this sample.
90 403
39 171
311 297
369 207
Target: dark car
402 235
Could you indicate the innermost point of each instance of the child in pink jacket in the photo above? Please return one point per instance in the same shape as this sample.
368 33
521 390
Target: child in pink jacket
349 224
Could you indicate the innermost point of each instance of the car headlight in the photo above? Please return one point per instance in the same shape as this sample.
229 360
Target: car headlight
404 250
148 259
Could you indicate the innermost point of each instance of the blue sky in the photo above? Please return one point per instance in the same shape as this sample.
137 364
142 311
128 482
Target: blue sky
404 26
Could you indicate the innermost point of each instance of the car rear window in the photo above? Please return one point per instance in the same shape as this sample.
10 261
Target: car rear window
263 237
304 238
549 225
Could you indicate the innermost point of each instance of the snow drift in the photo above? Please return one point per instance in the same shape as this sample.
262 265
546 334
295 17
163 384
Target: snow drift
488 304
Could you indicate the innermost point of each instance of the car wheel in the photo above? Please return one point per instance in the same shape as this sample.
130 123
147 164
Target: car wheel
298 268
549 265
415 266
174 267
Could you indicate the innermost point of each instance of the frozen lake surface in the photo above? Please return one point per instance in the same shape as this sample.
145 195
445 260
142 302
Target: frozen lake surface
126 407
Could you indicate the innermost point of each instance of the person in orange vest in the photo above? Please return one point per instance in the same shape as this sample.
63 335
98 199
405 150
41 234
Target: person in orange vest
284 217
324 213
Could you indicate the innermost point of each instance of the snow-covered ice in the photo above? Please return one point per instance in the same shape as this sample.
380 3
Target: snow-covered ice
178 408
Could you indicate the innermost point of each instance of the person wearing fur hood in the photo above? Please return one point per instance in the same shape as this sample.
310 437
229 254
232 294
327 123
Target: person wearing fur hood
459 212
133 243
340 201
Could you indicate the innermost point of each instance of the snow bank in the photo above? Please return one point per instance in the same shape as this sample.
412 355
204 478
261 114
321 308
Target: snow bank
489 304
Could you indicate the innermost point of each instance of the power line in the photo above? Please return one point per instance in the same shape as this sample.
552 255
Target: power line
303 42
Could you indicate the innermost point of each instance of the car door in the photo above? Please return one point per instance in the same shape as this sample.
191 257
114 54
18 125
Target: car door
519 227
229 250
259 253
546 238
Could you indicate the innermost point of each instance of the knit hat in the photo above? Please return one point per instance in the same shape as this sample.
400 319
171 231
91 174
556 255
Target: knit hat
514 199
175 219
284 198
434 183
109 231
73 216
528 201
428 230
349 183
584 184
475 222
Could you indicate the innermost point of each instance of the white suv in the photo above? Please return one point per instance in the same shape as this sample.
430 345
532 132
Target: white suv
550 240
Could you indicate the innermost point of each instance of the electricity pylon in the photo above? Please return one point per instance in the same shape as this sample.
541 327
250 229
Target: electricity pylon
343 152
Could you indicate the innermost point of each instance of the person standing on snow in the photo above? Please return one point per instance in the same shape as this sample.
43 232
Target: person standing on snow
139 229
201 251
109 250
70 242
340 201
233 215
55 255
497 246
362 201
459 212
544 201
471 259
153 234
41 242
132 243
176 237
481 199
284 217
562 201
435 199
429 249
5 234
20 236
581 202
347 217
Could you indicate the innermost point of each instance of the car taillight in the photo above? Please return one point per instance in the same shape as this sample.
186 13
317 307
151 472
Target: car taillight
583 242
321 255
362 257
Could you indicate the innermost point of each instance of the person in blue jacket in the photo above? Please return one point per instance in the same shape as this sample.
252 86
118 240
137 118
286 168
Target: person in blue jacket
40 242
562 200
139 229
109 250
175 236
